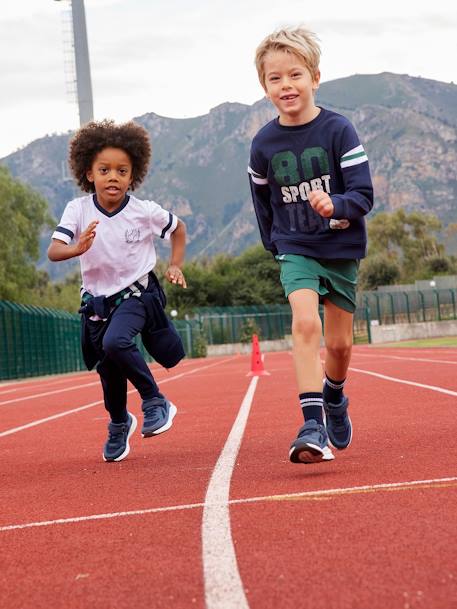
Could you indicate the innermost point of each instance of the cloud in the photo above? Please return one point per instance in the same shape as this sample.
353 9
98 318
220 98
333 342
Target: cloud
179 58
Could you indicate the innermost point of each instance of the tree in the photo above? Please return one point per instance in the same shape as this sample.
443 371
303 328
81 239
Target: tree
411 240
379 269
23 213
223 281
259 278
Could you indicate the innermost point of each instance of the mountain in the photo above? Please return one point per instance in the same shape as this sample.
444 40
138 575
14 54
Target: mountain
408 127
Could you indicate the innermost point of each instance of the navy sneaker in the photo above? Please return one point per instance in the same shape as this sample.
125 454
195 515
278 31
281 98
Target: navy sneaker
117 446
158 416
311 445
338 423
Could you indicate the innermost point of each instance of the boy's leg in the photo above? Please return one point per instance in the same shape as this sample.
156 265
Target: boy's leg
338 325
306 337
338 340
114 382
123 423
114 385
127 321
311 444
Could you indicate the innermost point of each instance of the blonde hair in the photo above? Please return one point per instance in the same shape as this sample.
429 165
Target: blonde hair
298 40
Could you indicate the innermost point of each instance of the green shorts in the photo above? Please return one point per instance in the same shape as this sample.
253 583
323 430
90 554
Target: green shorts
335 280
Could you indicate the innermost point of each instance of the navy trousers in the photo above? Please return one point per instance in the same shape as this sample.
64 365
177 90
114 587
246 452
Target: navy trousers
120 358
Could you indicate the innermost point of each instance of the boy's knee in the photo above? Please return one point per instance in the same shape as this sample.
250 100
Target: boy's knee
339 348
306 326
112 344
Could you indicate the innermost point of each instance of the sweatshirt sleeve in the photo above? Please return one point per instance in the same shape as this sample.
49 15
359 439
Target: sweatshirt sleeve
357 199
261 198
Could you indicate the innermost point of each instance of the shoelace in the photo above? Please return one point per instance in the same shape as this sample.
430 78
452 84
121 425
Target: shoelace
114 435
310 428
339 421
153 413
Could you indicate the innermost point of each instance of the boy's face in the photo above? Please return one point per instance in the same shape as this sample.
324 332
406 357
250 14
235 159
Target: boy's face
290 87
111 174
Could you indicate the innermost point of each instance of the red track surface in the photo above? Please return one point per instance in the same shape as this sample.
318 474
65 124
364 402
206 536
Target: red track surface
386 547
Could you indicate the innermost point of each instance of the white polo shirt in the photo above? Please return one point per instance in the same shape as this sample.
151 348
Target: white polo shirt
123 249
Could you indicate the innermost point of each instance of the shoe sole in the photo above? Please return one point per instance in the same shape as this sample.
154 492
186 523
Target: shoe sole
171 415
127 445
334 444
310 453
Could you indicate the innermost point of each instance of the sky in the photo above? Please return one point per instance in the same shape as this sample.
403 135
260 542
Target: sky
180 58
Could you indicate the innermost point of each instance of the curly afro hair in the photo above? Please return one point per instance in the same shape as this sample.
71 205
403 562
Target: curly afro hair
96 136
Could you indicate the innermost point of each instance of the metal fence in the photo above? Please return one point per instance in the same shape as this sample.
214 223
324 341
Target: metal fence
220 325
408 306
37 341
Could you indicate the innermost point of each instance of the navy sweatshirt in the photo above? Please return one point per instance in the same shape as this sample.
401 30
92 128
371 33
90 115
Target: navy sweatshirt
288 162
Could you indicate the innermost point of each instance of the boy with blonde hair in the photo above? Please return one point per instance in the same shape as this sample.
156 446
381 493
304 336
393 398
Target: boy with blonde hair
311 189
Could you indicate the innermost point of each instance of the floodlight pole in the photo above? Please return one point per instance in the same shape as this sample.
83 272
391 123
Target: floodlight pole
84 84
81 50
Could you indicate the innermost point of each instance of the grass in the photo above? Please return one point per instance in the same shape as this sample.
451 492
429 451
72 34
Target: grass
443 341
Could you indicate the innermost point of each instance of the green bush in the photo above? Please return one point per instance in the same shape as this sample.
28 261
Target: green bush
200 345
248 328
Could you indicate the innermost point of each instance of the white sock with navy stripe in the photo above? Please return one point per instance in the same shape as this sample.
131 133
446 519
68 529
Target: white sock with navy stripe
311 405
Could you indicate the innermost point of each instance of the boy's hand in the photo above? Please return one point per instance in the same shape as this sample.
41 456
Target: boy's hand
176 276
321 203
86 238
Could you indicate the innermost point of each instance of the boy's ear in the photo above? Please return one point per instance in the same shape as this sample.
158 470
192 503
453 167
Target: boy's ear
90 175
316 80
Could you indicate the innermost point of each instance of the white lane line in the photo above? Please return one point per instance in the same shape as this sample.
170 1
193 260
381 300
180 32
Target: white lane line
434 482
48 523
29 386
80 408
405 382
33 383
349 490
223 586
8 432
411 359
73 387
44 394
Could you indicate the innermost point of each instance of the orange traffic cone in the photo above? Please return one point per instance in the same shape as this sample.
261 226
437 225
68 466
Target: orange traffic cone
257 368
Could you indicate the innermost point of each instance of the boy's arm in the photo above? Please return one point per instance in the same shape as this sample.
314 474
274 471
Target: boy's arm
174 273
59 250
260 192
357 199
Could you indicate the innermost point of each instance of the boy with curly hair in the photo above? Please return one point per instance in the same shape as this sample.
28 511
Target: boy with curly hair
311 189
112 231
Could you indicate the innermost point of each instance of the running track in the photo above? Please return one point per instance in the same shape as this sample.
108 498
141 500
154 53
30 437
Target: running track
212 515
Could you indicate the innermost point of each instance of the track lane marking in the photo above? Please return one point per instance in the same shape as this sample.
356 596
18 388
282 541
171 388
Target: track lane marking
86 406
411 359
404 381
222 582
62 390
37 382
45 393
332 492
